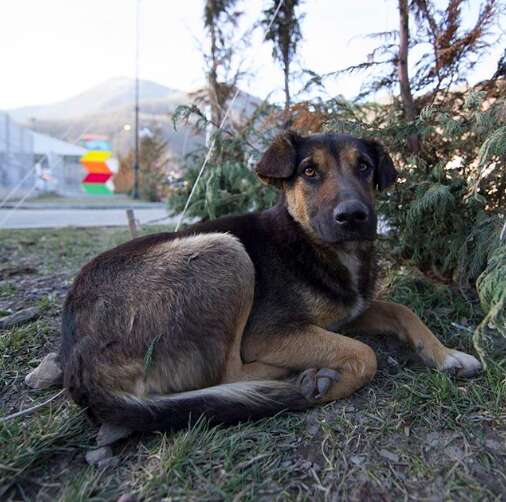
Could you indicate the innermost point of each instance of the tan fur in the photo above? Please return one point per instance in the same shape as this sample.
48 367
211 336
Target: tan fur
349 159
325 312
348 156
314 347
296 198
236 369
190 248
123 377
322 158
299 199
392 318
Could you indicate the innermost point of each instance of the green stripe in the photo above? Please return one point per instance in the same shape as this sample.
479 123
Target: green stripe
96 188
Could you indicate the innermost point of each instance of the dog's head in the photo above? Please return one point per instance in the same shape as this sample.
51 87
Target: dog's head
328 181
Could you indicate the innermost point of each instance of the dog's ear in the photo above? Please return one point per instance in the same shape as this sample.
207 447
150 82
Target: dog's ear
384 172
278 162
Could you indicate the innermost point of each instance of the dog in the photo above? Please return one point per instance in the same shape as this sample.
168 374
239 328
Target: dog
242 317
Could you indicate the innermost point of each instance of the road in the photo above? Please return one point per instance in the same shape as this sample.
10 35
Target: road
47 218
52 218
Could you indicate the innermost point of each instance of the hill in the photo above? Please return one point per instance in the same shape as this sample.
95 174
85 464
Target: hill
108 108
106 97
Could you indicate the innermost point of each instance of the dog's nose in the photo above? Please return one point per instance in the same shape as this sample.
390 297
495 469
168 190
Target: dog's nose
350 213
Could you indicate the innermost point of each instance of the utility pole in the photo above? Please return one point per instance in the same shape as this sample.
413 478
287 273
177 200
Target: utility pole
136 128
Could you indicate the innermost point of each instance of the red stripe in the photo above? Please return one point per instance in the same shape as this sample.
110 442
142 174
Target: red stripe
96 178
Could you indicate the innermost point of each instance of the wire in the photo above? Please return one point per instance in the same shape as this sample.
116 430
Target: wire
275 14
13 210
206 160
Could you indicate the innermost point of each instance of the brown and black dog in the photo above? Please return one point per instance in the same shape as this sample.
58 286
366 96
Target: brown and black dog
232 318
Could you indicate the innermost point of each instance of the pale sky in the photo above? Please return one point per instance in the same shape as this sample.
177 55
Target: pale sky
51 50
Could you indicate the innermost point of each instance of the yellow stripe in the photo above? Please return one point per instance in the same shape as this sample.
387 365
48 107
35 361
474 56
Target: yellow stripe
96 156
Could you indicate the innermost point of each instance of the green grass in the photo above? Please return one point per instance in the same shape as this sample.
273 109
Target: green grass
7 289
412 434
218 462
29 445
425 398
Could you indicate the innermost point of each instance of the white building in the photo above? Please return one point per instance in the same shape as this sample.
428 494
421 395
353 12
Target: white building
30 159
57 164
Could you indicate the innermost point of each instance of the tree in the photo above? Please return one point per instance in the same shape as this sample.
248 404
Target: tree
404 82
153 175
220 21
453 50
228 185
285 34
501 67
448 52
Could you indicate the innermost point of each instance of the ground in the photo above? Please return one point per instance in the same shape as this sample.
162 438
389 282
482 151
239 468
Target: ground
412 434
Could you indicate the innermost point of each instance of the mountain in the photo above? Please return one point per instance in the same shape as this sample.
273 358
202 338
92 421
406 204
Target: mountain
108 109
107 97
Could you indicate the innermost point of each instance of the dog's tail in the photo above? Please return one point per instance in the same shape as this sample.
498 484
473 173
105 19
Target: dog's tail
222 404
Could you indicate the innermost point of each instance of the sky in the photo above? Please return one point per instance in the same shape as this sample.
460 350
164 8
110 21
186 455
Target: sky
51 50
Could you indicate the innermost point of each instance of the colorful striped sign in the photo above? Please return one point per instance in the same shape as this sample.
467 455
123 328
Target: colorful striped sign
100 166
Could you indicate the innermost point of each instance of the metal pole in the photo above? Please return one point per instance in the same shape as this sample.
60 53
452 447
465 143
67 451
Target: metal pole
136 128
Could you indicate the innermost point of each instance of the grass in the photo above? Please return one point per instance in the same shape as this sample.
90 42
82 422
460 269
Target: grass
7 289
28 445
412 434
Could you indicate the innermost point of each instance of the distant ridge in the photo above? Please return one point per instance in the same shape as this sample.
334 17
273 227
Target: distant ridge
109 107
106 97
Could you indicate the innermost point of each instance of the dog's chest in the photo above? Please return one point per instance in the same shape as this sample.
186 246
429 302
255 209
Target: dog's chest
332 312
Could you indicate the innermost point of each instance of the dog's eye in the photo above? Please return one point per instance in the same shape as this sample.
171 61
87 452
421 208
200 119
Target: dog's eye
363 167
310 172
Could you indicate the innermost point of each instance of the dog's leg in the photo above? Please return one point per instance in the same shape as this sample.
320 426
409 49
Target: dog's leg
236 369
388 318
333 366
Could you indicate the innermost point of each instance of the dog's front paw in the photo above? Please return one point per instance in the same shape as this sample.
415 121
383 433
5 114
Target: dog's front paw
314 383
460 364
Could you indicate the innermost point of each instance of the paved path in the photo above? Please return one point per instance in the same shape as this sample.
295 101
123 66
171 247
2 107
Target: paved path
46 218
65 204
